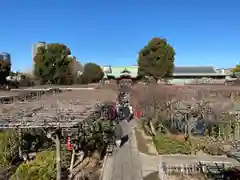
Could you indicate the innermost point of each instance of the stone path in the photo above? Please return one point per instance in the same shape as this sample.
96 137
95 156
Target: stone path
128 163
125 163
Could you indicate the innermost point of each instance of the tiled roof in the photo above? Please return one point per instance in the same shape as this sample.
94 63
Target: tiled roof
178 70
193 70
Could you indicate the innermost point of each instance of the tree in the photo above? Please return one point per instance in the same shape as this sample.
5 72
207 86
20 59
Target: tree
92 73
156 59
236 69
5 69
52 64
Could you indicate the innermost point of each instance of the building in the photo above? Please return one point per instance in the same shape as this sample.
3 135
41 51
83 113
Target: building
181 74
35 48
6 57
113 72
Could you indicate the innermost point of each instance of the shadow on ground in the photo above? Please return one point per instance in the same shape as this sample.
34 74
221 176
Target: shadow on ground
124 140
144 145
152 176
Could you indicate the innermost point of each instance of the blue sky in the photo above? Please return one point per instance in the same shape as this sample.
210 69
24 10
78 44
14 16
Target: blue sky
205 32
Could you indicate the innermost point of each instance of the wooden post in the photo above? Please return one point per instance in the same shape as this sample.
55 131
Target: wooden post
237 132
237 138
72 163
20 153
230 131
58 151
58 157
219 131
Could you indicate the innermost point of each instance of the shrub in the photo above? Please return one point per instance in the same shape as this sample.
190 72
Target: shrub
41 168
92 73
26 81
8 148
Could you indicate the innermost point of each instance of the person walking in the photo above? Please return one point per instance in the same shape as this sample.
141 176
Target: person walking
118 134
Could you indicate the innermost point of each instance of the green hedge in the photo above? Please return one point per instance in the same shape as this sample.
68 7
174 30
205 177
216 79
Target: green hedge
43 167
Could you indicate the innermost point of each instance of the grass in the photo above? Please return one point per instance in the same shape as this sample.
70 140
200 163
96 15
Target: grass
167 145
41 168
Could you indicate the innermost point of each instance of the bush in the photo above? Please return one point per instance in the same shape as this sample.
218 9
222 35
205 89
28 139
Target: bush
26 81
41 168
92 73
8 148
34 140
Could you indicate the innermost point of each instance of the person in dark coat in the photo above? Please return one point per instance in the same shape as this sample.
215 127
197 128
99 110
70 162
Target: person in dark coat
118 134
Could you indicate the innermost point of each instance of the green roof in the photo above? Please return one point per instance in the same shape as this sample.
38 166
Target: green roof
119 71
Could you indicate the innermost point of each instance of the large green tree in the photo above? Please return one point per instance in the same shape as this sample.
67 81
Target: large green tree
156 59
52 64
92 73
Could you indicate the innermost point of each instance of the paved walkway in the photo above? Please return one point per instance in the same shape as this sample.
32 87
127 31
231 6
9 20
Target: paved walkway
125 163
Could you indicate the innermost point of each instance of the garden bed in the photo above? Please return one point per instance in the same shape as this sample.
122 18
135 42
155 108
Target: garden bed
171 145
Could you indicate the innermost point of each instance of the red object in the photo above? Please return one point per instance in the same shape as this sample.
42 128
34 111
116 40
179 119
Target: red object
69 146
113 111
138 114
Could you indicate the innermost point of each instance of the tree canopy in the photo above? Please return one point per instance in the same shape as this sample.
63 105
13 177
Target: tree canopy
237 68
156 59
92 73
52 64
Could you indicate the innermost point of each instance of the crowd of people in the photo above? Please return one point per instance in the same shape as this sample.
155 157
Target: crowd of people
124 109
121 110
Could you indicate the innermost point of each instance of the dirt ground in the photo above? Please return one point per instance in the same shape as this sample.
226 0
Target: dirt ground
179 137
93 85
220 96
77 103
7 93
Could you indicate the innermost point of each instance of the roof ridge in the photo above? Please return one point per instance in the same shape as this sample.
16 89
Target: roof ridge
195 66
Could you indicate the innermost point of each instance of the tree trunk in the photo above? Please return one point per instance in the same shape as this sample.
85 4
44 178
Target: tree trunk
186 130
72 163
20 143
152 128
58 156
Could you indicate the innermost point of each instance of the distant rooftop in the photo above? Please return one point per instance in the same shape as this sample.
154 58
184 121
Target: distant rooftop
194 69
178 71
